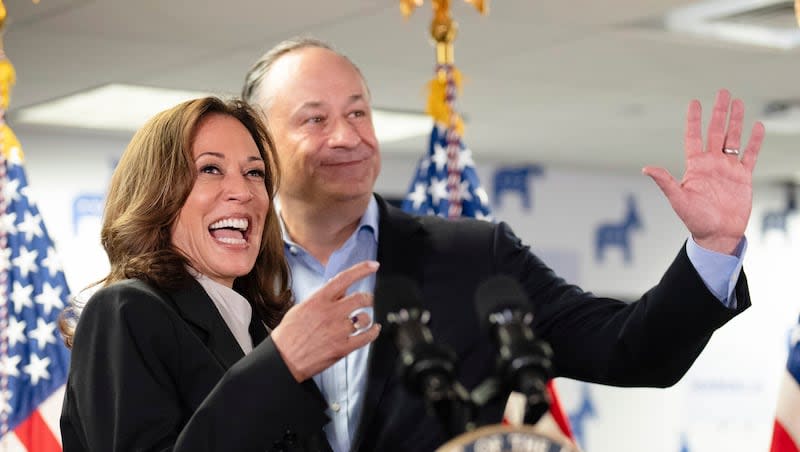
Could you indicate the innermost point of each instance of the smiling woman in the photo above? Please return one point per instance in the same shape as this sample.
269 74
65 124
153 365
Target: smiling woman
173 352
169 173
219 227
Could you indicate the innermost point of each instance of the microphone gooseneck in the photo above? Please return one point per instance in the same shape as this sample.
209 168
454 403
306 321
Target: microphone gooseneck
524 363
426 367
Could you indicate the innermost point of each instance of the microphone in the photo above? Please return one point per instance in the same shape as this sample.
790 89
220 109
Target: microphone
524 362
426 367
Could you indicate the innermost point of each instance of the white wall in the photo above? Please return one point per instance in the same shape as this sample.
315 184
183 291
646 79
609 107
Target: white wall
725 402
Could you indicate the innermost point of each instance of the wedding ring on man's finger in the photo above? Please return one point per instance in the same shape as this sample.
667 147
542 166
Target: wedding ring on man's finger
354 322
356 319
730 151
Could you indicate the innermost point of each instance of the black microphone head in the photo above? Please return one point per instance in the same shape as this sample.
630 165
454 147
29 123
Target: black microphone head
427 368
496 294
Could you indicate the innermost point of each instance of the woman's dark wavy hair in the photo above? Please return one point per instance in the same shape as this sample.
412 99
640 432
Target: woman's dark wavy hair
148 189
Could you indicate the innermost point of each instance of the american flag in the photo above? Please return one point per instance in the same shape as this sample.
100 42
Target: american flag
33 292
446 180
446 184
786 432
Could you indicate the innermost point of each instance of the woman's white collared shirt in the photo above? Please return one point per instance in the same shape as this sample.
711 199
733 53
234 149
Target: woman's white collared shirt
233 308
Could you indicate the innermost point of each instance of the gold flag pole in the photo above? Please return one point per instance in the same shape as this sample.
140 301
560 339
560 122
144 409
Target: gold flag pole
444 88
797 11
443 30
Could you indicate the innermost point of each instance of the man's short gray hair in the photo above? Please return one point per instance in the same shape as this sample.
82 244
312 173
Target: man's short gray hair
258 72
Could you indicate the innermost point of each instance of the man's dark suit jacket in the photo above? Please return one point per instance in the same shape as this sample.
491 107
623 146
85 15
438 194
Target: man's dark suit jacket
651 342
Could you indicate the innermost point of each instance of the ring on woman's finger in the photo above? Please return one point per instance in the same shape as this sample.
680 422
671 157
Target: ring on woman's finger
730 151
354 322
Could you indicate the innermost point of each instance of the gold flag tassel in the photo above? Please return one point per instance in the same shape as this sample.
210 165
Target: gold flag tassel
797 10
443 31
446 85
443 90
438 107
8 76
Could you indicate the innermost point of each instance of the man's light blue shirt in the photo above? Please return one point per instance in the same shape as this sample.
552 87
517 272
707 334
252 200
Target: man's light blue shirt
344 384
718 271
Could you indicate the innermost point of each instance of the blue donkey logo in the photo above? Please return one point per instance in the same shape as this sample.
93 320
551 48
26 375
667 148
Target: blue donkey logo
618 234
775 220
585 411
515 179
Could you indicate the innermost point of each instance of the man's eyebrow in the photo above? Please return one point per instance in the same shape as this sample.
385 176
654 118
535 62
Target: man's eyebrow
355 98
310 104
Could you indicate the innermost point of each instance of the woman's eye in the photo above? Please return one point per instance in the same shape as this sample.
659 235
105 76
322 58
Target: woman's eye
261 174
209 169
315 119
358 113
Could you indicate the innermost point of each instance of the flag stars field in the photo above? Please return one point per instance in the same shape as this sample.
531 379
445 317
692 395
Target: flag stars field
31 226
26 261
463 190
37 368
49 298
465 159
11 191
439 157
418 196
438 190
428 192
5 398
5 259
51 263
15 333
9 365
21 297
8 223
34 362
43 334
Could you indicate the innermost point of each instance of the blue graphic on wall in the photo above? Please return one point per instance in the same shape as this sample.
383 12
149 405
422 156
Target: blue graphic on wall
89 205
684 443
578 418
776 220
515 179
86 205
617 234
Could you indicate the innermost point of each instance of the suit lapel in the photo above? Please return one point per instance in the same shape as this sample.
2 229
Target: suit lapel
198 310
257 329
400 252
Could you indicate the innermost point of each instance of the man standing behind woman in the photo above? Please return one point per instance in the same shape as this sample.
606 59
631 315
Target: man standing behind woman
173 352
319 110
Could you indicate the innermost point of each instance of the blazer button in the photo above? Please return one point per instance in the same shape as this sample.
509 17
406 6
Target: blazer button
290 437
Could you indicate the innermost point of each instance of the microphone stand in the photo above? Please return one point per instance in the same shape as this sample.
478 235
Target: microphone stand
524 362
429 369
523 365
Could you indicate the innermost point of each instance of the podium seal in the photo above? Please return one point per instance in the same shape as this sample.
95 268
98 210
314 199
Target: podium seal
505 438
